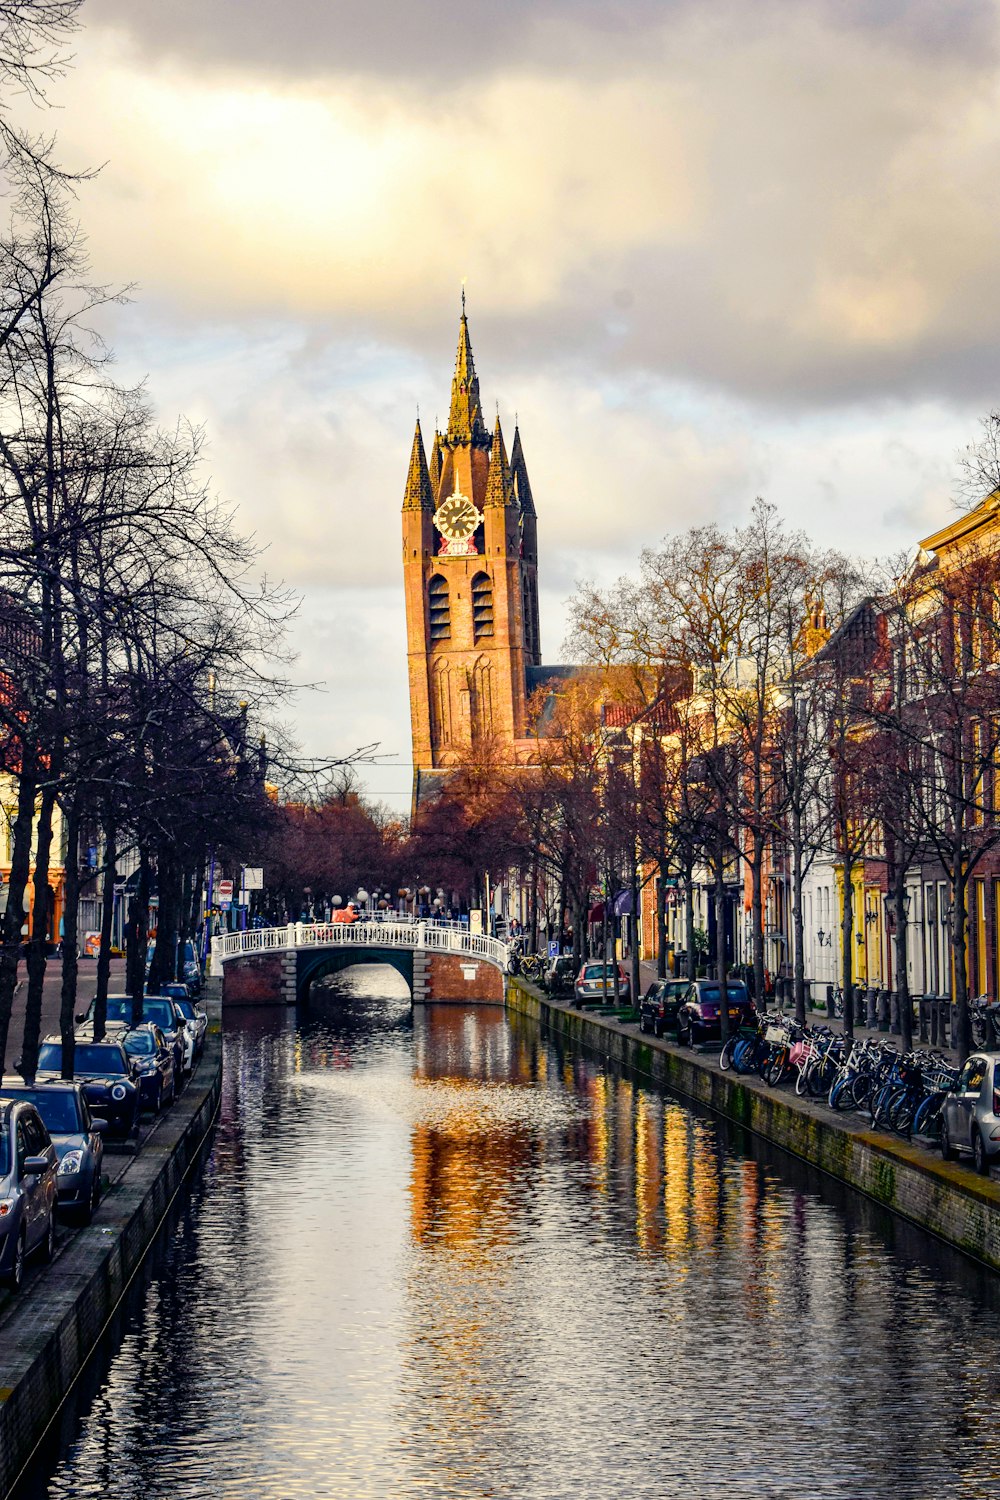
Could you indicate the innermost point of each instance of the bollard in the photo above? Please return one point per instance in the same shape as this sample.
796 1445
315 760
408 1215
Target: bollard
871 1015
830 1010
895 1024
859 1006
922 1007
882 1009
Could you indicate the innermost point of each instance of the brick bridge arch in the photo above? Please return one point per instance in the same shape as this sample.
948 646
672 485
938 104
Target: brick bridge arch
440 962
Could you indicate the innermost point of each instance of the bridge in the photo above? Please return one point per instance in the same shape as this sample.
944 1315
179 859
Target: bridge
440 961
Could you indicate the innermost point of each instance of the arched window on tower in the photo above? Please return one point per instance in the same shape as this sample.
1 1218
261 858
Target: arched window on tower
439 608
482 606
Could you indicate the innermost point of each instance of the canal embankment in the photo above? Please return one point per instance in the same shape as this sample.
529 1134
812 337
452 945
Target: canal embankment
947 1199
49 1331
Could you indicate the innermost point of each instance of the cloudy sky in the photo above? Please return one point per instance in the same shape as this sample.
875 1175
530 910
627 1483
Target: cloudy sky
712 250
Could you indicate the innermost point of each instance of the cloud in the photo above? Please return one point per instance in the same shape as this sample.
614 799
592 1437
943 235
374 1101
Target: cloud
799 209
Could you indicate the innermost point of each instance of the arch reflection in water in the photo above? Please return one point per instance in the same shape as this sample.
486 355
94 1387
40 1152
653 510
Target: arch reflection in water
455 1259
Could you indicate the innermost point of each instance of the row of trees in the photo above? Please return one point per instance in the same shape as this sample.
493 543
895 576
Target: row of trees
137 639
752 704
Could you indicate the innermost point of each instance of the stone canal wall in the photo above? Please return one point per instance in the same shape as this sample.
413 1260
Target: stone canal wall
945 1198
49 1330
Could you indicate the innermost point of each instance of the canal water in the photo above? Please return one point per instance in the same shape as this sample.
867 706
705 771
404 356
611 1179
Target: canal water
437 1256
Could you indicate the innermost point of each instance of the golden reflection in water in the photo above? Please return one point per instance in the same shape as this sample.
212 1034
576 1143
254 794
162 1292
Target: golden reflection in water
676 1162
649 1228
705 1186
600 1141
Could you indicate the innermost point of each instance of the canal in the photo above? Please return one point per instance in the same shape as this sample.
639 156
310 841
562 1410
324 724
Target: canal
439 1257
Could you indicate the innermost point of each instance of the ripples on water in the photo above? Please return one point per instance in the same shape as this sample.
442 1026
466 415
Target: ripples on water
448 1260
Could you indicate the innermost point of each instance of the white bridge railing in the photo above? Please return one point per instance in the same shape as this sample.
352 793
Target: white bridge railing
436 937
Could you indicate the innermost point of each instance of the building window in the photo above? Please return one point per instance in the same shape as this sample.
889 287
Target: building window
482 606
439 609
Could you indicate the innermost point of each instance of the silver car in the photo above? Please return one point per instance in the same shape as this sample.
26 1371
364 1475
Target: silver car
76 1135
28 1171
970 1115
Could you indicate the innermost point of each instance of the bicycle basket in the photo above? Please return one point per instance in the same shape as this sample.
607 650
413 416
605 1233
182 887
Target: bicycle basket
775 1036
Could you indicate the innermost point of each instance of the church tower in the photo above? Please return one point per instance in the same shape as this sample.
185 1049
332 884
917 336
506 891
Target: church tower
470 559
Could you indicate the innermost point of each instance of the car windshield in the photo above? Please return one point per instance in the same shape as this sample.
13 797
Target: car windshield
119 1008
713 994
92 1059
186 1009
595 971
160 1011
139 1044
57 1107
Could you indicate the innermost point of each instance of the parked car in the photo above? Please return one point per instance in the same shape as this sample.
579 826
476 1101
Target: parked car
658 1006
970 1115
103 1069
77 1136
152 1063
161 1011
28 1170
197 1024
590 983
558 976
698 1018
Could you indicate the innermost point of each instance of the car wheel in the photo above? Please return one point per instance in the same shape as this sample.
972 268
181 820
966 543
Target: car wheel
15 1276
48 1245
979 1157
947 1149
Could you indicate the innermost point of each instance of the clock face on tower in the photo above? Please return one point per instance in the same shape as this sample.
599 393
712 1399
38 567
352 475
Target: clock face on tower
457 518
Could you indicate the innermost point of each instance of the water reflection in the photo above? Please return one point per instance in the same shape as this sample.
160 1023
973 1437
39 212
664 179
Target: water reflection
438 1255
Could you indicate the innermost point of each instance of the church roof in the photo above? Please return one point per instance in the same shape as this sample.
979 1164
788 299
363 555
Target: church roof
418 494
499 486
435 465
465 419
519 474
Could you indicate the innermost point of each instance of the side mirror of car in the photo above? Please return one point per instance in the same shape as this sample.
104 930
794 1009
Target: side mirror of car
34 1166
98 1126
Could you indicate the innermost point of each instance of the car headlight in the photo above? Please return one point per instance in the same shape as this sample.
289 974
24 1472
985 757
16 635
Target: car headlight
118 1092
6 1204
146 1065
71 1162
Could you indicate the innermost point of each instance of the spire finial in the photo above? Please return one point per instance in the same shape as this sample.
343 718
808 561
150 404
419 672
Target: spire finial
463 296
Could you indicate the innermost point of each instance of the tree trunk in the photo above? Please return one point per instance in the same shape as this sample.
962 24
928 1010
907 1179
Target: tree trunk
107 921
39 935
720 945
689 919
847 957
661 922
70 941
959 947
13 920
798 927
135 947
634 929
903 1000
757 917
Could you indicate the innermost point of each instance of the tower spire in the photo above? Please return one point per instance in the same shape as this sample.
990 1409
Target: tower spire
418 494
519 474
499 486
465 419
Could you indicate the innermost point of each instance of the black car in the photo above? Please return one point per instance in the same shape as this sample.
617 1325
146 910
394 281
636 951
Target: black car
698 1018
76 1135
559 975
159 1009
152 1065
658 1006
106 1075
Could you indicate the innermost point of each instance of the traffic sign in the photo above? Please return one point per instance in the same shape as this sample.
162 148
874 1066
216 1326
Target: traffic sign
224 893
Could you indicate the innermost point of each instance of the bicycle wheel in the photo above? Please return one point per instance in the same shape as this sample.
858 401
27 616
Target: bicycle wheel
981 1029
726 1055
820 1078
804 1074
776 1070
927 1119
